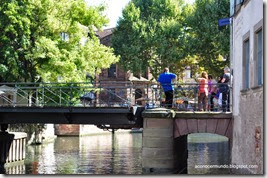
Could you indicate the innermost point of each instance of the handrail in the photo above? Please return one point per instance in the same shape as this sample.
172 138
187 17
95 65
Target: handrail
104 93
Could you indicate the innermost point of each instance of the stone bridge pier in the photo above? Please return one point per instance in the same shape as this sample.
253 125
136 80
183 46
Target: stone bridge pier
164 149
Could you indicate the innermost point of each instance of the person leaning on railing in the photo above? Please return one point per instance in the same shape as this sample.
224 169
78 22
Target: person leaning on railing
203 92
226 92
165 79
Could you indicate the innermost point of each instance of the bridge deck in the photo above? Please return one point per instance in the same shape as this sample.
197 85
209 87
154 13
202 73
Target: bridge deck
65 115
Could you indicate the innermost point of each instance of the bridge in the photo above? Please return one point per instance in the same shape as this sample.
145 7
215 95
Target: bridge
165 137
122 105
87 102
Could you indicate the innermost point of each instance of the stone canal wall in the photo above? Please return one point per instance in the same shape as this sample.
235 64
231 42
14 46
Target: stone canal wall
159 153
248 133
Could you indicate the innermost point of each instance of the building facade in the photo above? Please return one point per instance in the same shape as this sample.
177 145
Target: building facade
121 79
247 65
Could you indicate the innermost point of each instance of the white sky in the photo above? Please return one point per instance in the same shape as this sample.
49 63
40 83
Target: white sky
114 9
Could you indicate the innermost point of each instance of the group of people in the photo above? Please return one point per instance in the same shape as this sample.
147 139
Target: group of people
211 93
210 90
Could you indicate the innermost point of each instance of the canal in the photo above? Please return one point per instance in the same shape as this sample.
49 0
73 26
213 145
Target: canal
120 153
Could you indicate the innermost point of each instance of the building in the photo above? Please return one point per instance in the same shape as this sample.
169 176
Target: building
119 78
115 91
247 65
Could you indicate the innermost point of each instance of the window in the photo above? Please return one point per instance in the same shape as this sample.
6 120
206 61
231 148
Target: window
111 94
145 73
258 58
235 6
64 36
246 64
112 71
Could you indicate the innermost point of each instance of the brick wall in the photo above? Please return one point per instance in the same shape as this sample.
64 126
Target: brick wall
67 129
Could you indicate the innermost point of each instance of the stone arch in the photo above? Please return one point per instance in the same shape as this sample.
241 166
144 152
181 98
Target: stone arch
219 126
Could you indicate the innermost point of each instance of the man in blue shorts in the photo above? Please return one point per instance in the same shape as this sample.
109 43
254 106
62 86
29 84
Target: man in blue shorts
165 79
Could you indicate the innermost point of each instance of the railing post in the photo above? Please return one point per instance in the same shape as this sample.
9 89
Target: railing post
71 95
153 95
195 96
43 96
37 100
60 96
15 96
160 97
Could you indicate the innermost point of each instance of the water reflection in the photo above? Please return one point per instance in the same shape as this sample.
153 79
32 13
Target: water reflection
117 154
207 149
101 154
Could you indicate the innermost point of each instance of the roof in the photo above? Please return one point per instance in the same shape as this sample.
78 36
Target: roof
105 32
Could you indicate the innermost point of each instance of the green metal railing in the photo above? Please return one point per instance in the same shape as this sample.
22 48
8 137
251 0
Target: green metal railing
99 94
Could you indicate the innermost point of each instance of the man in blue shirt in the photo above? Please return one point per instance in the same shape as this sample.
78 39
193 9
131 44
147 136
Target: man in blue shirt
165 79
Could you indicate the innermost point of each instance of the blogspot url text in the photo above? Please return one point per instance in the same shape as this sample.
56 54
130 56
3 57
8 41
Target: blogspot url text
225 166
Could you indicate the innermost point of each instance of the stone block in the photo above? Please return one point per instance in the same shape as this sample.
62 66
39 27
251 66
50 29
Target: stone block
181 124
192 125
202 125
158 123
159 153
151 142
222 126
157 163
211 125
67 129
158 132
176 133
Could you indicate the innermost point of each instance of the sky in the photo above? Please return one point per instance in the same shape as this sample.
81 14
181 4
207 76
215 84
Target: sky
114 9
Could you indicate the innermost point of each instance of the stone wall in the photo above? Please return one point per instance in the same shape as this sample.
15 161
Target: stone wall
248 132
67 129
247 104
157 152
161 153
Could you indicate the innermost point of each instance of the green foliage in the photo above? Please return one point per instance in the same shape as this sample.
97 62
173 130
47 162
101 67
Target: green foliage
31 45
150 34
205 39
160 33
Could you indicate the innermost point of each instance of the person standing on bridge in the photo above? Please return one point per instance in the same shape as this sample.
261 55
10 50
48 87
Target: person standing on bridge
203 92
227 78
166 81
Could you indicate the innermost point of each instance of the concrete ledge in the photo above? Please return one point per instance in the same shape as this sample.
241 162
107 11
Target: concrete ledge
160 113
19 135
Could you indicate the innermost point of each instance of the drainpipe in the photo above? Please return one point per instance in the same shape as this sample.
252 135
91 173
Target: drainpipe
231 62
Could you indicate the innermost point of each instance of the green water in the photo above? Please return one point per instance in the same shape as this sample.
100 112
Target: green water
207 149
117 154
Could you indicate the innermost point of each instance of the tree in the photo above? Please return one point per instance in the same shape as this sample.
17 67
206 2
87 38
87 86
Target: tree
205 40
150 34
31 44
